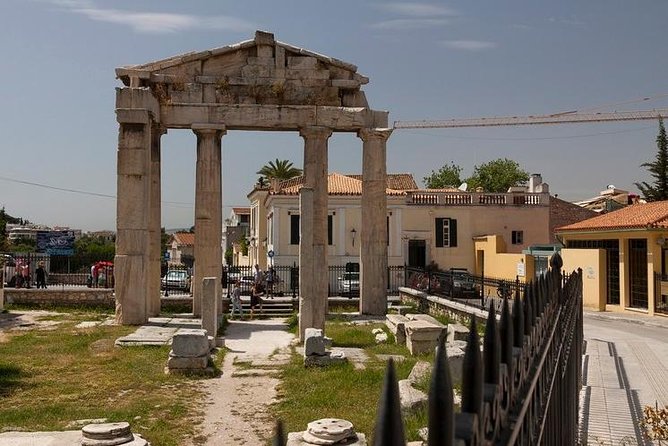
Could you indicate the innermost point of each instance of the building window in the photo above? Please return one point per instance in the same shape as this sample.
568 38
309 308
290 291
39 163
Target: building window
330 229
294 229
446 232
518 237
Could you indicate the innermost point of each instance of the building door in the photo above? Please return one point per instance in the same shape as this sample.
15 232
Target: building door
638 272
417 253
611 261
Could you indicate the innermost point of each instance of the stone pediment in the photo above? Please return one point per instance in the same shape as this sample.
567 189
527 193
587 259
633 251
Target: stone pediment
261 71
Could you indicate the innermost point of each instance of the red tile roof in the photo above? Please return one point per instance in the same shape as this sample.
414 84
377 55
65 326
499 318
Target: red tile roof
184 238
241 211
339 184
637 216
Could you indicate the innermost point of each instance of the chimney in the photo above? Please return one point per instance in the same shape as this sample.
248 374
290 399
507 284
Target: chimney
535 180
274 184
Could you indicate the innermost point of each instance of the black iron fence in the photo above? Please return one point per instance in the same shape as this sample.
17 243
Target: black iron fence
26 270
343 280
461 286
522 390
660 299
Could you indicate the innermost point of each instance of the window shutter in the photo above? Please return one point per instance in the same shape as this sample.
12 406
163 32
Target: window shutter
439 232
330 227
294 229
453 232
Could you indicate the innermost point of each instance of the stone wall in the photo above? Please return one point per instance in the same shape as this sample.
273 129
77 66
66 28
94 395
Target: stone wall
74 297
62 297
438 305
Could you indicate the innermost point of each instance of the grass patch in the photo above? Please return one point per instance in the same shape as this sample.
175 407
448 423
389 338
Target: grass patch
341 391
94 312
51 378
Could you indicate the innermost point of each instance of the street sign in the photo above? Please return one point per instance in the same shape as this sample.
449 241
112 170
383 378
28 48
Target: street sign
166 255
270 254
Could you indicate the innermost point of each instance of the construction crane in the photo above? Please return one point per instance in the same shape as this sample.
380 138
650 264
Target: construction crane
572 117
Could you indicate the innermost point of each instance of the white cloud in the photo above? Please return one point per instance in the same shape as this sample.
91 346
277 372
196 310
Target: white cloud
469 45
405 24
154 22
417 9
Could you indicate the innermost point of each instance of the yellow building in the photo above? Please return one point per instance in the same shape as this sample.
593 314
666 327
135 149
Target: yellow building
624 258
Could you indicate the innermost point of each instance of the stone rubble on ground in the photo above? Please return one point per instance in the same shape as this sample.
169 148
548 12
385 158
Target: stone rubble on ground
110 434
315 353
327 431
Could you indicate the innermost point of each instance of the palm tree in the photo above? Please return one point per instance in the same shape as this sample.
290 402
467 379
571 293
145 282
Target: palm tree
279 169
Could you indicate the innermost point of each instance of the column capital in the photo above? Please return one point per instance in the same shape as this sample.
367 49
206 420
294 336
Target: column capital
209 128
315 131
368 134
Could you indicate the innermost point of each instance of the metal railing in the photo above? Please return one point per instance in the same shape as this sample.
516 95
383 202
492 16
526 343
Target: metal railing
479 291
341 281
21 270
522 390
660 299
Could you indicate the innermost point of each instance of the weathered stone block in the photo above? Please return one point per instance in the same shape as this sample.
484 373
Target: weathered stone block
296 439
306 74
315 343
345 83
419 330
456 363
396 324
335 357
419 371
194 363
424 317
422 336
302 63
457 332
190 342
412 399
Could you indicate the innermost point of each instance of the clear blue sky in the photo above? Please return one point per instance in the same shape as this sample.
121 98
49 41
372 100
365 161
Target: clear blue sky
425 60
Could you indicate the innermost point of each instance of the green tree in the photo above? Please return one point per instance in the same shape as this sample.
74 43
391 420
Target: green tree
89 250
658 190
498 175
446 176
279 169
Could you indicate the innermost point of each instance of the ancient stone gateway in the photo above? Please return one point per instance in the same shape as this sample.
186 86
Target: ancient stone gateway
259 84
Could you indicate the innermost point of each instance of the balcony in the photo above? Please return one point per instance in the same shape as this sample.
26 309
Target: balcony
477 199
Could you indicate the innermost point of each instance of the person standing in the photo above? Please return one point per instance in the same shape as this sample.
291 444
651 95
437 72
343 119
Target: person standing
271 277
236 300
25 273
40 275
255 299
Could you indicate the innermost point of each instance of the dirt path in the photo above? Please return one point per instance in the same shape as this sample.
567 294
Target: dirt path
237 401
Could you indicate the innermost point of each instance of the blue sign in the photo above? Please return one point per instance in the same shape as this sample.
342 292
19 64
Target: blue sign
55 243
166 255
270 254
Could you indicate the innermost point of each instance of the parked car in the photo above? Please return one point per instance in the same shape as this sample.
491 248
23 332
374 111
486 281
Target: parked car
246 284
460 283
349 284
176 279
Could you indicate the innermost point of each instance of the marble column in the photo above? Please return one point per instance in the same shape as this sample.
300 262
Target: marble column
154 232
373 232
131 266
208 208
313 274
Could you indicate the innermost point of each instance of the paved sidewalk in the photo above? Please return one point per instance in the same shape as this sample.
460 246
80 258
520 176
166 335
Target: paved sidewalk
625 367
